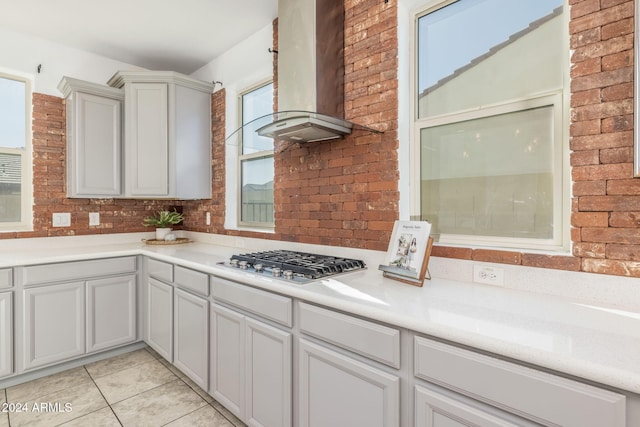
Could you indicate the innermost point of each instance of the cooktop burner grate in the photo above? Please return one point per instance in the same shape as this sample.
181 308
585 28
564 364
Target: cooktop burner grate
291 263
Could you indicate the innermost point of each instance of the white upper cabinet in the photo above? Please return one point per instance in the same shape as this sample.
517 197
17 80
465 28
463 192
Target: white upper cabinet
6 334
167 135
94 138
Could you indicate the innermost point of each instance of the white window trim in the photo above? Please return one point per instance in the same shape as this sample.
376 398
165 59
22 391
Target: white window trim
561 241
27 160
233 171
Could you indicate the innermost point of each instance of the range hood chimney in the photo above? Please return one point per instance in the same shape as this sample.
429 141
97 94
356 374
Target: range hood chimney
310 72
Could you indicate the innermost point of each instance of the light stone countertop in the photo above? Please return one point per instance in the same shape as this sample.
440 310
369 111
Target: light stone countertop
591 340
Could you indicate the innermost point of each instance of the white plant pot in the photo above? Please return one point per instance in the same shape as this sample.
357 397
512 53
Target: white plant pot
162 232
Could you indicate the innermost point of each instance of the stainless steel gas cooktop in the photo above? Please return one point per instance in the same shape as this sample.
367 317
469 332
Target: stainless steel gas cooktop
297 267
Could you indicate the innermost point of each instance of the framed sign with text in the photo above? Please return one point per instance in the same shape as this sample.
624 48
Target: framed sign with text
408 254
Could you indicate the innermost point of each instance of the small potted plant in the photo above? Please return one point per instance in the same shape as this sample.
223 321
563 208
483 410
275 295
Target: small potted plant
163 220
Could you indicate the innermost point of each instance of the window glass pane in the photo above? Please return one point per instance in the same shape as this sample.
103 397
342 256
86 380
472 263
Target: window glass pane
12 113
256 103
491 176
510 46
257 190
10 187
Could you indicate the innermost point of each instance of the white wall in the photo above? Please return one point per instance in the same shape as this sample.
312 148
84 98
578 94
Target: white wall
240 68
21 54
243 65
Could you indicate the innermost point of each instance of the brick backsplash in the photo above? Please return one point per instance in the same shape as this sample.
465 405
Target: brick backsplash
345 192
606 198
339 193
49 190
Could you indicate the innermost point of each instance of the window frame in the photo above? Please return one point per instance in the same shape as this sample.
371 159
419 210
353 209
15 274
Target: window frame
26 164
561 166
247 157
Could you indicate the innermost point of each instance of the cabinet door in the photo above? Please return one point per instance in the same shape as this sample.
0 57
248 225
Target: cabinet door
433 409
191 145
6 334
336 390
53 323
160 318
95 146
268 375
227 359
111 312
191 336
146 140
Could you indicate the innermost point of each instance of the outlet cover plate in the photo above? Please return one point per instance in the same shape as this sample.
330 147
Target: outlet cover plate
61 219
488 275
94 218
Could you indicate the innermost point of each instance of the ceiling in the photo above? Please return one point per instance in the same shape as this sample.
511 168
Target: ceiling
174 35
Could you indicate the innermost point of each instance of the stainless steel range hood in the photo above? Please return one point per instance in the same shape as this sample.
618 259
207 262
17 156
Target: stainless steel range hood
304 126
310 72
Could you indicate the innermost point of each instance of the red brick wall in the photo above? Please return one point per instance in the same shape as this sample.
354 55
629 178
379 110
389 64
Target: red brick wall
340 193
49 196
346 192
606 197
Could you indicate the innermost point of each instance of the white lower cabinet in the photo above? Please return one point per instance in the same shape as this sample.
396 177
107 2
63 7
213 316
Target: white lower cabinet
60 324
6 334
111 312
251 368
54 324
160 318
438 409
191 335
177 318
487 383
227 348
268 368
336 390
67 310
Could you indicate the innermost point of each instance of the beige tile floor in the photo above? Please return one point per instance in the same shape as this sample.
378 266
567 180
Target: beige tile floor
136 389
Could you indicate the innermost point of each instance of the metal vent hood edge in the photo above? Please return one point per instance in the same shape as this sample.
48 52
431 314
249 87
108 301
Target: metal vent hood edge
310 62
301 126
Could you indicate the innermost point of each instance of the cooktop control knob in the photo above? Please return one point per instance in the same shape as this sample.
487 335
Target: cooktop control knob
233 263
287 274
243 265
276 272
259 268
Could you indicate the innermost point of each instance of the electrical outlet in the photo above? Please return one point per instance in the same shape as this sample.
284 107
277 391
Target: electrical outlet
94 218
61 219
488 275
208 218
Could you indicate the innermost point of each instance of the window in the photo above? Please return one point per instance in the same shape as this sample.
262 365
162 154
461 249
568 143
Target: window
15 154
490 123
256 161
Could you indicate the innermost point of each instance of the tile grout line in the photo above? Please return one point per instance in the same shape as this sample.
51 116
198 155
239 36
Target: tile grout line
159 358
183 380
208 403
103 396
6 399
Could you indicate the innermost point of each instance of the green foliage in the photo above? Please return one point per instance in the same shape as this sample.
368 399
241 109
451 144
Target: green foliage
163 219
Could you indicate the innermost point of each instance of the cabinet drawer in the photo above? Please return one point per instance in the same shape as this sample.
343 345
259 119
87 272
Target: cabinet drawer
6 278
160 270
369 339
270 306
539 396
193 280
66 271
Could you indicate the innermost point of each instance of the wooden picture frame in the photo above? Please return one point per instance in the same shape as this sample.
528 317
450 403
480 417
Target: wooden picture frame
409 251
